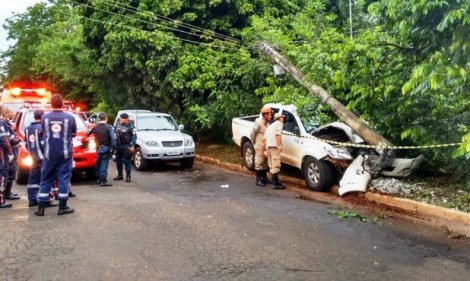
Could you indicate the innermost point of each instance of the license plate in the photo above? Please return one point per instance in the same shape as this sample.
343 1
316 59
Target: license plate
173 152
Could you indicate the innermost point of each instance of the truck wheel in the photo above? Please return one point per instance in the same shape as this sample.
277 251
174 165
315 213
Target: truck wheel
317 174
140 163
248 153
21 176
187 163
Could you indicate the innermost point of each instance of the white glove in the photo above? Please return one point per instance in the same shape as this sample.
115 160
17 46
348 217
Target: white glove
10 158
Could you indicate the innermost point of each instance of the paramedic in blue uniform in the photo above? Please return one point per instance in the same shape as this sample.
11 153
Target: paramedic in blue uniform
9 171
34 139
106 141
126 138
6 156
59 128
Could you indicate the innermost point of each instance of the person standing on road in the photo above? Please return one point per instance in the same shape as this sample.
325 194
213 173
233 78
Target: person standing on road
257 137
6 156
59 128
126 138
106 140
34 139
9 171
273 139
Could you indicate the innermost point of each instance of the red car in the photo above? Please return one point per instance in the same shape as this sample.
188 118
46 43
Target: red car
84 153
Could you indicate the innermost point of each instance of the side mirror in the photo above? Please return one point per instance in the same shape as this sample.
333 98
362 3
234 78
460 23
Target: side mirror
181 127
297 131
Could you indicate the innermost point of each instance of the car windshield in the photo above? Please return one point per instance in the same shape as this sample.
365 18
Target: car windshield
156 123
29 118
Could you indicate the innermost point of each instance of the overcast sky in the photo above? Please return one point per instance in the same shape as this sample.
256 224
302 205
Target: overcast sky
7 8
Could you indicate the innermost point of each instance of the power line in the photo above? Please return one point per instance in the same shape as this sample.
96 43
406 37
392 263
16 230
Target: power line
173 21
151 23
146 31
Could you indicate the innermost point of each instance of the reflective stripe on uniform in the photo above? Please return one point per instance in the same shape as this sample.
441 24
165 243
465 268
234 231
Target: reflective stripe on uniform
64 140
63 195
48 136
37 142
33 186
43 195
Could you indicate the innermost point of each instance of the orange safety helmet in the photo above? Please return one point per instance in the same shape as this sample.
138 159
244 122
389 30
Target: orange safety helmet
266 109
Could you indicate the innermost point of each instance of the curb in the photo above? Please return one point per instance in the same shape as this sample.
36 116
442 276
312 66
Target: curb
452 220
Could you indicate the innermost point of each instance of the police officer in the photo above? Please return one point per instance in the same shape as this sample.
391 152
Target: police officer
9 171
59 128
6 156
106 140
126 138
257 137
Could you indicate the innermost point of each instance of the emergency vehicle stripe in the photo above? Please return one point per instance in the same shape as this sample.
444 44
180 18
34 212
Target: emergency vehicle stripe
64 140
38 146
48 136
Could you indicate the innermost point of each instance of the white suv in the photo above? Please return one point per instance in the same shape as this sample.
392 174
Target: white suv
159 139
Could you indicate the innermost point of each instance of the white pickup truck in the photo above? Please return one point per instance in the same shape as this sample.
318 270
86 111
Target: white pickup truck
322 161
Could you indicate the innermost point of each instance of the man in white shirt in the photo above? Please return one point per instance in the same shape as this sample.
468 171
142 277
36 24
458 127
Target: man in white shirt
273 140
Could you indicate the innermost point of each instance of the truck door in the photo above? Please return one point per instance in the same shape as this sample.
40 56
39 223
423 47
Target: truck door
290 140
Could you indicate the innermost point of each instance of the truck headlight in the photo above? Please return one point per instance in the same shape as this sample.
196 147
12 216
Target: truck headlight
188 142
92 145
339 153
151 143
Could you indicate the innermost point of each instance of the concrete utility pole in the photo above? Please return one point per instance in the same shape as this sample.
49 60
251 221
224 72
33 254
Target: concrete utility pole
361 128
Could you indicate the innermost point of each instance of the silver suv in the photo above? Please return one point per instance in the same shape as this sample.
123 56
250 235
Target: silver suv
159 139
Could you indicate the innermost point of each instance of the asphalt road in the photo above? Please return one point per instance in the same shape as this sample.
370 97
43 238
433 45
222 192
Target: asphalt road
210 224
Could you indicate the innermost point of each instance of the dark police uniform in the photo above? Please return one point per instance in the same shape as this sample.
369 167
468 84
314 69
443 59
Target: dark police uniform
6 154
9 174
126 138
59 128
106 141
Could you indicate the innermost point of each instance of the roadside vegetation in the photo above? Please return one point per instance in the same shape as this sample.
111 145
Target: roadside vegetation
403 68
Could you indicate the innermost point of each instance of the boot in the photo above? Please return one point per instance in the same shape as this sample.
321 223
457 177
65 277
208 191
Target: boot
41 209
128 176
276 183
64 209
264 177
104 182
119 176
7 192
3 204
259 180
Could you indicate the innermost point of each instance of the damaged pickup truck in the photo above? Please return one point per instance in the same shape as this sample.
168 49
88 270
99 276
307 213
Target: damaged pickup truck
325 154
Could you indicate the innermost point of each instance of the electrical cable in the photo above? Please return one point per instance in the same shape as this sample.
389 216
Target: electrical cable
173 21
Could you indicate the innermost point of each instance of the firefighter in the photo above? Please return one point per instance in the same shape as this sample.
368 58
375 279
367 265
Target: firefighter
106 141
273 141
9 171
59 128
34 139
6 156
126 138
257 137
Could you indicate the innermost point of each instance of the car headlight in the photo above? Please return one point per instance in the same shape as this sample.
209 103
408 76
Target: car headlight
339 153
92 145
151 143
188 142
28 161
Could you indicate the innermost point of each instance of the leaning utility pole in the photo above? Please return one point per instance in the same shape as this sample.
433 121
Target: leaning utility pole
361 128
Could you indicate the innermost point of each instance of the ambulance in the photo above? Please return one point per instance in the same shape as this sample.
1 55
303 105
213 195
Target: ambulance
15 97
